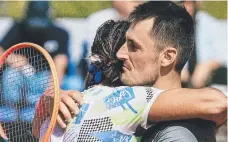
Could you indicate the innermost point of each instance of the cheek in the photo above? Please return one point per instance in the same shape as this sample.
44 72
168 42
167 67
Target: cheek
148 68
145 63
139 62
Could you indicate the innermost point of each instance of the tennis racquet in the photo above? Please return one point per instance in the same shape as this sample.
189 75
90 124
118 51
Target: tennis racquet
27 73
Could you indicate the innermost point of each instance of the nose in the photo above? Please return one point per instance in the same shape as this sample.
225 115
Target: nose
122 53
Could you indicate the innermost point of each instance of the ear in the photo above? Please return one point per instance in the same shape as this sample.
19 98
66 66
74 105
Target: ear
168 56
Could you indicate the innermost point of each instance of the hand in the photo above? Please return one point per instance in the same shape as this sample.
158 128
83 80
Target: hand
68 107
2 133
70 101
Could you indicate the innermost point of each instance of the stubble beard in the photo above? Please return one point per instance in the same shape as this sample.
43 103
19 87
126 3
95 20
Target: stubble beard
129 81
126 80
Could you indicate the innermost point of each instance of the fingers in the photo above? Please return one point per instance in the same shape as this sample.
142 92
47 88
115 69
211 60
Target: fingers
69 104
2 133
61 122
65 111
71 99
77 96
67 100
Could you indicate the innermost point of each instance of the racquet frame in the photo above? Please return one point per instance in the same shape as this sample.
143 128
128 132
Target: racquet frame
54 75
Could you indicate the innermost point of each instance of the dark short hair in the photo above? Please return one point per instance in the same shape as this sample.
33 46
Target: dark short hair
109 38
173 26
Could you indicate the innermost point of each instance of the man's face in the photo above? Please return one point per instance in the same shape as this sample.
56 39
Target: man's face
139 55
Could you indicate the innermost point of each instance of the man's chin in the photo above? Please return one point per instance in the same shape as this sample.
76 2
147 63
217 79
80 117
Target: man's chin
127 81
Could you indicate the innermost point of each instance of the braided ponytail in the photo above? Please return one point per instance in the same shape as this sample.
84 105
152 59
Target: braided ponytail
109 38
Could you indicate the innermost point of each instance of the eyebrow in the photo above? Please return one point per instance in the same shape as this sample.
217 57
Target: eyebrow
130 38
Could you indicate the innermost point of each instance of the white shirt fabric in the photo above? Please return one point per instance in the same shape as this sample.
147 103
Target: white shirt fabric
108 114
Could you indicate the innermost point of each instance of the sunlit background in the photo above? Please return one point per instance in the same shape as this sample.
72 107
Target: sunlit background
84 8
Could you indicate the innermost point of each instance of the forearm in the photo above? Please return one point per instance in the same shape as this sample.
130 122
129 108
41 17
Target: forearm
203 72
207 103
214 107
174 105
61 62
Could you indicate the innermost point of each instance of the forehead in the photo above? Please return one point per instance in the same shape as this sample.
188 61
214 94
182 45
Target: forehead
140 30
144 26
141 33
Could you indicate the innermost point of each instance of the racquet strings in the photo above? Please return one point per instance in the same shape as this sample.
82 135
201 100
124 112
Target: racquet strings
25 76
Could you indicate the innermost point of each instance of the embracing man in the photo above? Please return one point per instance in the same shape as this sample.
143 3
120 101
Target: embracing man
158 44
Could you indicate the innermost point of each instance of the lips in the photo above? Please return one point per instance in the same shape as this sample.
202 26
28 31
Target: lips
125 67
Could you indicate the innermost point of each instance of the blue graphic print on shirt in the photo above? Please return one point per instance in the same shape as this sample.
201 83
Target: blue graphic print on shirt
81 114
119 98
112 136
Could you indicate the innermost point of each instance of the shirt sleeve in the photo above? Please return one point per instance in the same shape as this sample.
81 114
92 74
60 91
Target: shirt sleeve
151 96
139 101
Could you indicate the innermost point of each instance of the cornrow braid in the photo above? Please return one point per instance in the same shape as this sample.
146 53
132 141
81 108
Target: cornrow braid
109 38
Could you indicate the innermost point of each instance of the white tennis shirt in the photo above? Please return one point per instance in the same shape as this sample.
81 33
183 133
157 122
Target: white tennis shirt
109 114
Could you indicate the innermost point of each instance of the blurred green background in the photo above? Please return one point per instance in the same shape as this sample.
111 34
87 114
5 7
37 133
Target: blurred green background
82 9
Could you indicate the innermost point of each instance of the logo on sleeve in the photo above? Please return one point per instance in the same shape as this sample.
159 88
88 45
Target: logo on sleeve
120 98
81 114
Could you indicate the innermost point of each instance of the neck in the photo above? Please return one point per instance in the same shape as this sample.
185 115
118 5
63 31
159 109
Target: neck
171 80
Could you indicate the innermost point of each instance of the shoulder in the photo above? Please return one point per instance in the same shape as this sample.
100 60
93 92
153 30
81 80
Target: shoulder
182 131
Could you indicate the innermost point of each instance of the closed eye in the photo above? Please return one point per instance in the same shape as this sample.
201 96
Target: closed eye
131 45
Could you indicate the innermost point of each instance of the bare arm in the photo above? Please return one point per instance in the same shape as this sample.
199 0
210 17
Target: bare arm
206 103
61 62
203 72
